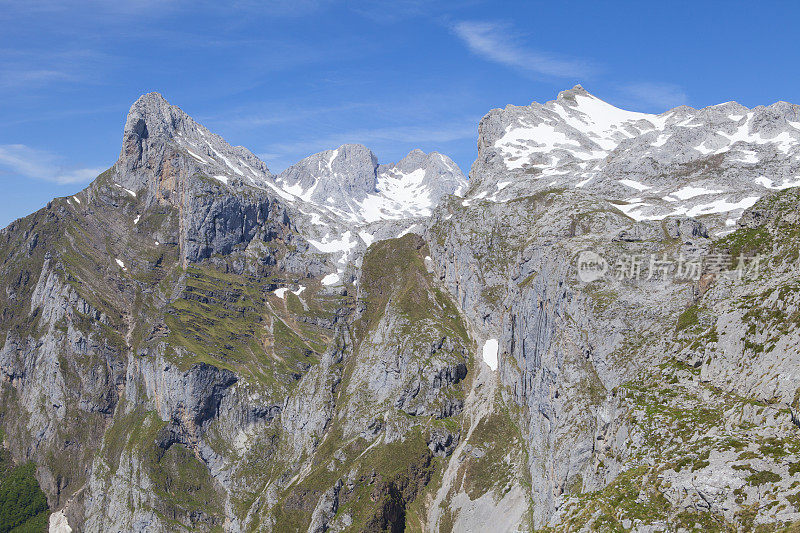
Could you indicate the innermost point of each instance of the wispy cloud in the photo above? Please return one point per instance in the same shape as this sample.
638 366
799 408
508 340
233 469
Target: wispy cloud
497 42
28 69
653 96
41 165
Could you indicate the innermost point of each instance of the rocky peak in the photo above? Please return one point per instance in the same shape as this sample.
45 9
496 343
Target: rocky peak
570 94
151 114
162 144
350 184
711 162
346 172
434 171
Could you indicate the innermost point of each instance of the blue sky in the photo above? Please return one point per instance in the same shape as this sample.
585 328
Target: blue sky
289 78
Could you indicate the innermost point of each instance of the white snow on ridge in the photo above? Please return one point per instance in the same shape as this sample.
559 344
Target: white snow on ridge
515 143
121 263
604 124
334 155
397 195
227 162
197 157
603 118
223 179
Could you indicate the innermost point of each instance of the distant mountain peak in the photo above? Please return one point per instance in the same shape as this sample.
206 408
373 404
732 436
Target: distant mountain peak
349 181
710 162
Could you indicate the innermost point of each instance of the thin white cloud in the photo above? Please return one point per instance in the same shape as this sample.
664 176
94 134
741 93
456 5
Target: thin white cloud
30 69
41 165
496 42
653 96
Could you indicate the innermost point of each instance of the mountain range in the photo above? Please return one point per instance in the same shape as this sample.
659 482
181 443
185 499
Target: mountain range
598 330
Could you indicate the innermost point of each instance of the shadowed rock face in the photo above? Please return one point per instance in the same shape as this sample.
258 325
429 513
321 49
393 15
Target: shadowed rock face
193 342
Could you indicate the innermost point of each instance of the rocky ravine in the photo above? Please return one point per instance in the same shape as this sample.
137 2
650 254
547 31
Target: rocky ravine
194 343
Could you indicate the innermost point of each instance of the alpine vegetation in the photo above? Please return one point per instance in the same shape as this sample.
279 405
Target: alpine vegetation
598 330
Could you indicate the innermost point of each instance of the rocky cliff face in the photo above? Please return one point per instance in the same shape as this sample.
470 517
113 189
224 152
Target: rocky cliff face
194 343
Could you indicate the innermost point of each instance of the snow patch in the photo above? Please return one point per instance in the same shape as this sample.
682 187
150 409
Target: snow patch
330 279
490 353
280 293
769 184
344 244
126 190
197 157
718 206
223 179
368 238
690 192
747 156
632 207
635 185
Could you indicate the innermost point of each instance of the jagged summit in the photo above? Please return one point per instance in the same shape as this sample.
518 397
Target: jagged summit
152 107
332 196
717 160
348 172
162 144
349 182
576 90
